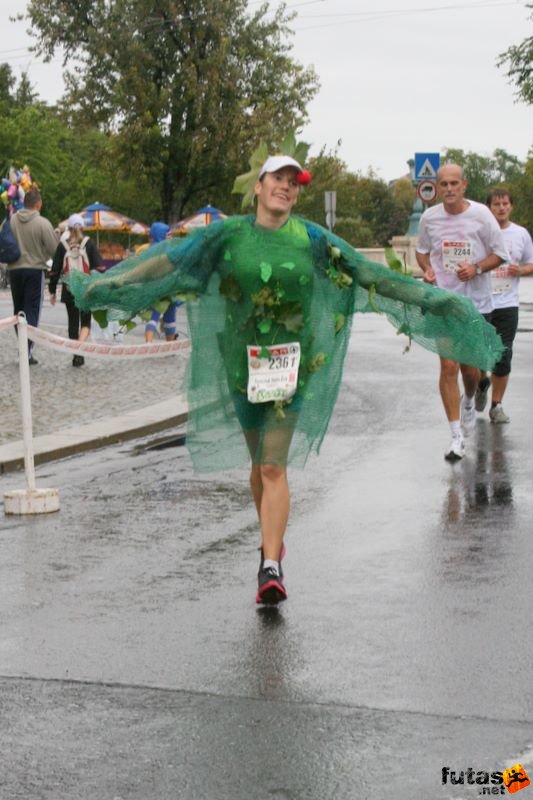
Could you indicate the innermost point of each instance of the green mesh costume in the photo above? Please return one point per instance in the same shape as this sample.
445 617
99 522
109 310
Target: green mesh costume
253 285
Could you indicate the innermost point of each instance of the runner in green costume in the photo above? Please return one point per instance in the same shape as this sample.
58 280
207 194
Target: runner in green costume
266 280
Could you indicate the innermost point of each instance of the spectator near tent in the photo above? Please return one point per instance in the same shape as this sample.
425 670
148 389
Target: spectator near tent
100 218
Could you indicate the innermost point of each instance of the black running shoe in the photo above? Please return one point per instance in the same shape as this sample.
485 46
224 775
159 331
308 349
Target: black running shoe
270 588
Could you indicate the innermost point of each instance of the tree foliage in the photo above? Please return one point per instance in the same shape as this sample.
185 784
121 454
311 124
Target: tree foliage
518 60
369 212
78 164
484 172
187 88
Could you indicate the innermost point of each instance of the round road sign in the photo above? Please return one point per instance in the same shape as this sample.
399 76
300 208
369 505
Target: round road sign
427 191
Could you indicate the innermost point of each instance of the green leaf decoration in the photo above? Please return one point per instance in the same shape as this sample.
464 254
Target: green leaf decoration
266 271
244 184
316 362
264 352
230 288
372 298
288 145
185 297
266 297
278 408
404 329
129 324
100 317
294 322
303 280
392 260
288 265
297 150
290 316
395 263
340 321
265 325
227 255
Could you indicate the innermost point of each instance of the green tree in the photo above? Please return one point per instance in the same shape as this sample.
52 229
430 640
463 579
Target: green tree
25 94
485 172
519 62
188 88
7 82
369 212
521 188
73 167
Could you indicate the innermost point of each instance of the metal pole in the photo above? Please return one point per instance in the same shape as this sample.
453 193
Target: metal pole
25 398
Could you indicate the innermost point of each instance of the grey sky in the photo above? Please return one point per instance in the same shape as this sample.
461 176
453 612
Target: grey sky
397 76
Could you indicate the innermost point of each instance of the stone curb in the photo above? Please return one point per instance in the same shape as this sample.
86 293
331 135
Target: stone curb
94 435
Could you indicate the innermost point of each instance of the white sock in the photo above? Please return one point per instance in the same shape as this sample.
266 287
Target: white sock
455 428
269 564
468 402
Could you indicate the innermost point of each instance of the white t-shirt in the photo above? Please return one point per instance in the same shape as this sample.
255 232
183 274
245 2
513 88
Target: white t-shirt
468 237
519 251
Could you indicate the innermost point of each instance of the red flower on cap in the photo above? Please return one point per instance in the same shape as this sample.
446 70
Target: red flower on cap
304 178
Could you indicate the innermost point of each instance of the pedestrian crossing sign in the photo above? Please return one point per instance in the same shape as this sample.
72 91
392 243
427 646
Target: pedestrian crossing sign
426 166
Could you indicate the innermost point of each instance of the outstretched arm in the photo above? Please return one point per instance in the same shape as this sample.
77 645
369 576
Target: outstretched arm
175 266
441 321
149 270
383 281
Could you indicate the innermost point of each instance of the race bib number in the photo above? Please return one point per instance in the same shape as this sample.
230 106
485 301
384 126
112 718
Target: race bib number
501 280
455 253
275 377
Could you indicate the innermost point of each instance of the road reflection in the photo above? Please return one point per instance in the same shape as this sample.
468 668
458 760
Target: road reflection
482 482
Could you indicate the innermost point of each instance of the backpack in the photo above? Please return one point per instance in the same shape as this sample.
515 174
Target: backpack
9 247
76 258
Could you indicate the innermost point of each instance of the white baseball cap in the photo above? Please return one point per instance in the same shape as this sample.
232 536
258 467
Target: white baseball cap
75 219
273 163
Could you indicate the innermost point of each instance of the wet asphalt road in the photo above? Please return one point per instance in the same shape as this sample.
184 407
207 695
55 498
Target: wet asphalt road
135 664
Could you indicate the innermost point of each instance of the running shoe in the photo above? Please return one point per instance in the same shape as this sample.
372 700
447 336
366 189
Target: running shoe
270 588
456 450
468 418
498 415
482 393
281 557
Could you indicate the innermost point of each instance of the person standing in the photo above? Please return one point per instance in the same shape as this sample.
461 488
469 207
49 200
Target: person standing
505 298
74 251
159 231
37 242
459 243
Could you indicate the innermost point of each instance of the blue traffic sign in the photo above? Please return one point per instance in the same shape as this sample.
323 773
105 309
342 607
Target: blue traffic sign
426 166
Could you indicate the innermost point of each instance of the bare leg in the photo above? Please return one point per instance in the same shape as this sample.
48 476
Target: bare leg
256 487
84 333
499 385
449 389
471 377
275 506
270 488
